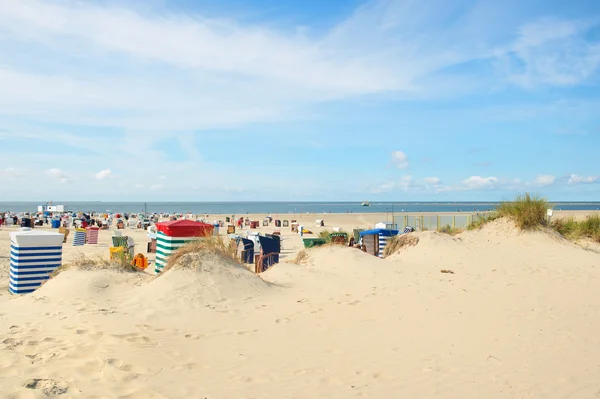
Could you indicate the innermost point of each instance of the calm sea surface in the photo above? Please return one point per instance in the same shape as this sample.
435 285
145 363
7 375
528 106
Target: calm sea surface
278 207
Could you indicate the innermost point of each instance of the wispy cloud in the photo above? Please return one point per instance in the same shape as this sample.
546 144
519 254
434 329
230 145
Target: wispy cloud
59 175
180 71
552 51
544 180
478 182
576 179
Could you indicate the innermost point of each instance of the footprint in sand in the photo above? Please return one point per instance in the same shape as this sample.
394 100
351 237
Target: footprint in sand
43 357
135 338
285 320
122 366
14 329
191 366
12 343
48 387
247 332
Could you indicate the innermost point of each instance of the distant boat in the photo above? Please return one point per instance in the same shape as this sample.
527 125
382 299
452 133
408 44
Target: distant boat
366 203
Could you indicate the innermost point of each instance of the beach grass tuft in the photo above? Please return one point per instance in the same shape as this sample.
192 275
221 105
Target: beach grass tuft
300 258
574 230
568 227
210 247
396 243
450 230
590 227
83 262
480 220
527 211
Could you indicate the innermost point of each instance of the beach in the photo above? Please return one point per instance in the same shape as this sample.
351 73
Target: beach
494 312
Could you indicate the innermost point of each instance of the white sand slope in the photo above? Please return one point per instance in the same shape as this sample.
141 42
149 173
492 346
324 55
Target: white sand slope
519 318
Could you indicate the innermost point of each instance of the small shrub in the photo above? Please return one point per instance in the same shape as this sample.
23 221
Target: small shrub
527 211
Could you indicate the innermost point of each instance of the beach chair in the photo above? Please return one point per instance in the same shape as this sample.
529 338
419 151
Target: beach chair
124 242
64 231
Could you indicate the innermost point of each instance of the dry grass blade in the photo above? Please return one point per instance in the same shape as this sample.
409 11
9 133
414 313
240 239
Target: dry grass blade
301 257
398 242
82 262
450 230
211 247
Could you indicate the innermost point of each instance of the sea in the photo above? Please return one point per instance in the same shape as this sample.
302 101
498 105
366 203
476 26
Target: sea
273 208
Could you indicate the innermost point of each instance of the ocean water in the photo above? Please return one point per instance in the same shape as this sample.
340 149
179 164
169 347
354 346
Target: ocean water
274 208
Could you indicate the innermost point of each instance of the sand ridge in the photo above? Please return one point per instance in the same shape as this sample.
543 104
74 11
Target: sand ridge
518 318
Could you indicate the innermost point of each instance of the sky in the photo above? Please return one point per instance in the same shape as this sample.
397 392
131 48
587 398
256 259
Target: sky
265 100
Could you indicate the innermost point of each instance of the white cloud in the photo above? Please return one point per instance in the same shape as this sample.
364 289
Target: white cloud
552 52
478 182
576 179
103 174
384 188
59 175
434 181
156 187
162 177
400 159
13 173
106 63
544 180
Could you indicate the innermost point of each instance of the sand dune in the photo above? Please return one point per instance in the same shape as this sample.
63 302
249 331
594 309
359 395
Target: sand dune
519 318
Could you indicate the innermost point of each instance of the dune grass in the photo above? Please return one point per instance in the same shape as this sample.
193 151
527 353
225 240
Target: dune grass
398 242
574 230
82 262
450 230
480 220
567 227
206 247
301 257
527 211
325 235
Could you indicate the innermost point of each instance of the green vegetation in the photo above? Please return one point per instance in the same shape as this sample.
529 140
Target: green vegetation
572 229
479 220
528 212
567 227
325 235
590 227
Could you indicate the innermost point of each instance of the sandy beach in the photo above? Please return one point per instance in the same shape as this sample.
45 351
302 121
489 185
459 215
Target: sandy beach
516 315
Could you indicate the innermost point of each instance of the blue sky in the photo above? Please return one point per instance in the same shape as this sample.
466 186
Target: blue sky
269 100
